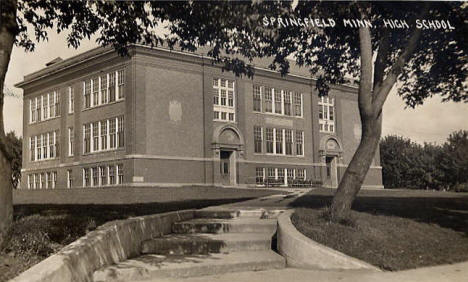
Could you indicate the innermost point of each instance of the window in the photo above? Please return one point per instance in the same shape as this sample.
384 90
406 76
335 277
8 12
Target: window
257 98
297 104
38 108
104 135
87 94
120 129
32 148
281 174
259 175
223 97
52 105
269 140
230 98
87 138
43 180
45 145
111 87
288 141
30 183
95 175
223 100
69 178
56 144
290 174
103 172
287 103
86 178
71 141
299 143
271 173
111 175
257 139
327 114
278 101
301 174
279 141
268 100
71 100
54 179
120 173
49 180
112 134
95 93
32 110
37 181
104 97
95 132
215 97
39 147
121 83
45 107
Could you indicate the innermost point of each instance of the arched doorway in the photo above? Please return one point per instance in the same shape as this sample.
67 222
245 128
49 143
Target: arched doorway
228 145
331 151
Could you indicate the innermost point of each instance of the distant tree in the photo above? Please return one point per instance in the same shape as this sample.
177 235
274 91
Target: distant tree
454 159
14 146
393 160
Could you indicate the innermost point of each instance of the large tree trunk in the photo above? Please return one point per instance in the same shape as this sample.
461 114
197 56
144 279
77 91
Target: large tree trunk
357 169
8 30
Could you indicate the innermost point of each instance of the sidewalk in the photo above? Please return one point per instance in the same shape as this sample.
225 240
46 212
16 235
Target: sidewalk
446 273
443 273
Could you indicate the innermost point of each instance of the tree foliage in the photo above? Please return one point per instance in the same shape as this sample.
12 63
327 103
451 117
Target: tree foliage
406 164
14 146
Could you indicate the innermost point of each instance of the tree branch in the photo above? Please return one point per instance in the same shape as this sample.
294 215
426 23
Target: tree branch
382 90
382 59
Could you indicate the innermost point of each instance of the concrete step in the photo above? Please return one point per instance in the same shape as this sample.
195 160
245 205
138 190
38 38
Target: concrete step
186 244
224 214
237 225
175 266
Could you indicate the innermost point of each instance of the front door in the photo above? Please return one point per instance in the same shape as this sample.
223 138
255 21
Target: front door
228 167
331 174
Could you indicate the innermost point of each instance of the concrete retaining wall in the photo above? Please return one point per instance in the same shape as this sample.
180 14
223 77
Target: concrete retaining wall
302 252
110 243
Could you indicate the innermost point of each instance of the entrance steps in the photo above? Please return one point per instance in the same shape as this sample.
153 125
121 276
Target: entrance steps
217 241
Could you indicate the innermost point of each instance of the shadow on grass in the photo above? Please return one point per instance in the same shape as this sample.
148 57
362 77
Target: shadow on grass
104 213
448 210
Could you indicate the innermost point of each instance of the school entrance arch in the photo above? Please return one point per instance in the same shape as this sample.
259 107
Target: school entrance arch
228 147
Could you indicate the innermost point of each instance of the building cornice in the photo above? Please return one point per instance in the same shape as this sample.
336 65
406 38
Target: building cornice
188 57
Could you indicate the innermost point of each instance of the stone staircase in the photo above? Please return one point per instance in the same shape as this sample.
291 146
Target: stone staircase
212 243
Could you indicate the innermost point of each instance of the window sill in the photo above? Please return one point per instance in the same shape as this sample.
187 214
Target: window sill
279 155
46 160
103 152
44 120
103 105
278 115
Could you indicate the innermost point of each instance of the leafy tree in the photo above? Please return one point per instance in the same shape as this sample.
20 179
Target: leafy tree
425 63
455 161
15 147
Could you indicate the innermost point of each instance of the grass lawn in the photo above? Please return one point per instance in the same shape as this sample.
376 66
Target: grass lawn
40 230
393 230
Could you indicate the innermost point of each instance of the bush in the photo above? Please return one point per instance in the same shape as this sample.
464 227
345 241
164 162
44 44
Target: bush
38 235
461 187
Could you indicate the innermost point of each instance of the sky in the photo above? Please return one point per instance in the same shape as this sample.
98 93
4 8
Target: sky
431 122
